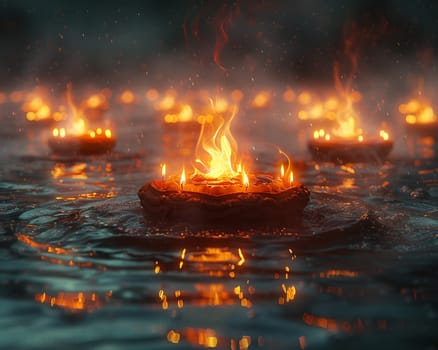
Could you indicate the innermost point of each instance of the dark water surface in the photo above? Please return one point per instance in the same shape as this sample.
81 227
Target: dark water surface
82 268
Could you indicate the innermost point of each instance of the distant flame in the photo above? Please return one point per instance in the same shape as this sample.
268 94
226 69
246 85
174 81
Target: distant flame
417 111
77 122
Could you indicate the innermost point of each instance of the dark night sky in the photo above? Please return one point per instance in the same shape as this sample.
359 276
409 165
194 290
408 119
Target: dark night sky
292 41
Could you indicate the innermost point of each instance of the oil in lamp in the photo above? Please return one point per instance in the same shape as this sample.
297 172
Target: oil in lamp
77 138
346 142
420 118
219 189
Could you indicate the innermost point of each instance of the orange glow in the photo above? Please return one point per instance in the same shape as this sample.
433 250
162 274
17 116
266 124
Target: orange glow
237 95
261 100
384 135
35 107
206 338
417 111
40 246
152 94
291 178
360 138
173 337
96 101
127 97
166 103
182 180
245 180
289 95
184 115
72 301
304 98
77 124
282 171
338 273
242 258
289 292
16 96
330 324
163 170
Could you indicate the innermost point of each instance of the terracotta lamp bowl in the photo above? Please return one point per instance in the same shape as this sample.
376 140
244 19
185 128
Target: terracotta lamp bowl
266 201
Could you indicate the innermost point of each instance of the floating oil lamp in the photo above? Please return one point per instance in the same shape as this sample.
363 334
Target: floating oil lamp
77 138
346 142
325 147
419 117
219 189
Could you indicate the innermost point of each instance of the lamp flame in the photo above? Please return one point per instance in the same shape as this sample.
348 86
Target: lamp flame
216 148
182 180
291 178
245 180
163 170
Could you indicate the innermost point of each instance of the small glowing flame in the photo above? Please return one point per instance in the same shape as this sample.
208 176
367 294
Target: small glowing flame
261 100
182 180
184 115
127 97
95 101
282 171
360 138
384 135
245 180
163 171
108 133
291 177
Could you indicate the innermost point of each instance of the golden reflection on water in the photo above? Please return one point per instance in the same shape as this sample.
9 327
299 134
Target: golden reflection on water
74 301
81 173
224 266
210 339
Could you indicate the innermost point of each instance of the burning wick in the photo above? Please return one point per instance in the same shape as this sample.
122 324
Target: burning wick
291 178
163 171
245 180
282 171
182 180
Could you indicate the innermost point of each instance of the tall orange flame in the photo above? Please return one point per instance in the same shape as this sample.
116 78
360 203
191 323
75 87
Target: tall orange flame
216 148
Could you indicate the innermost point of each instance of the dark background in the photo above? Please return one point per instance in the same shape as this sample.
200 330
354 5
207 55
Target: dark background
174 42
